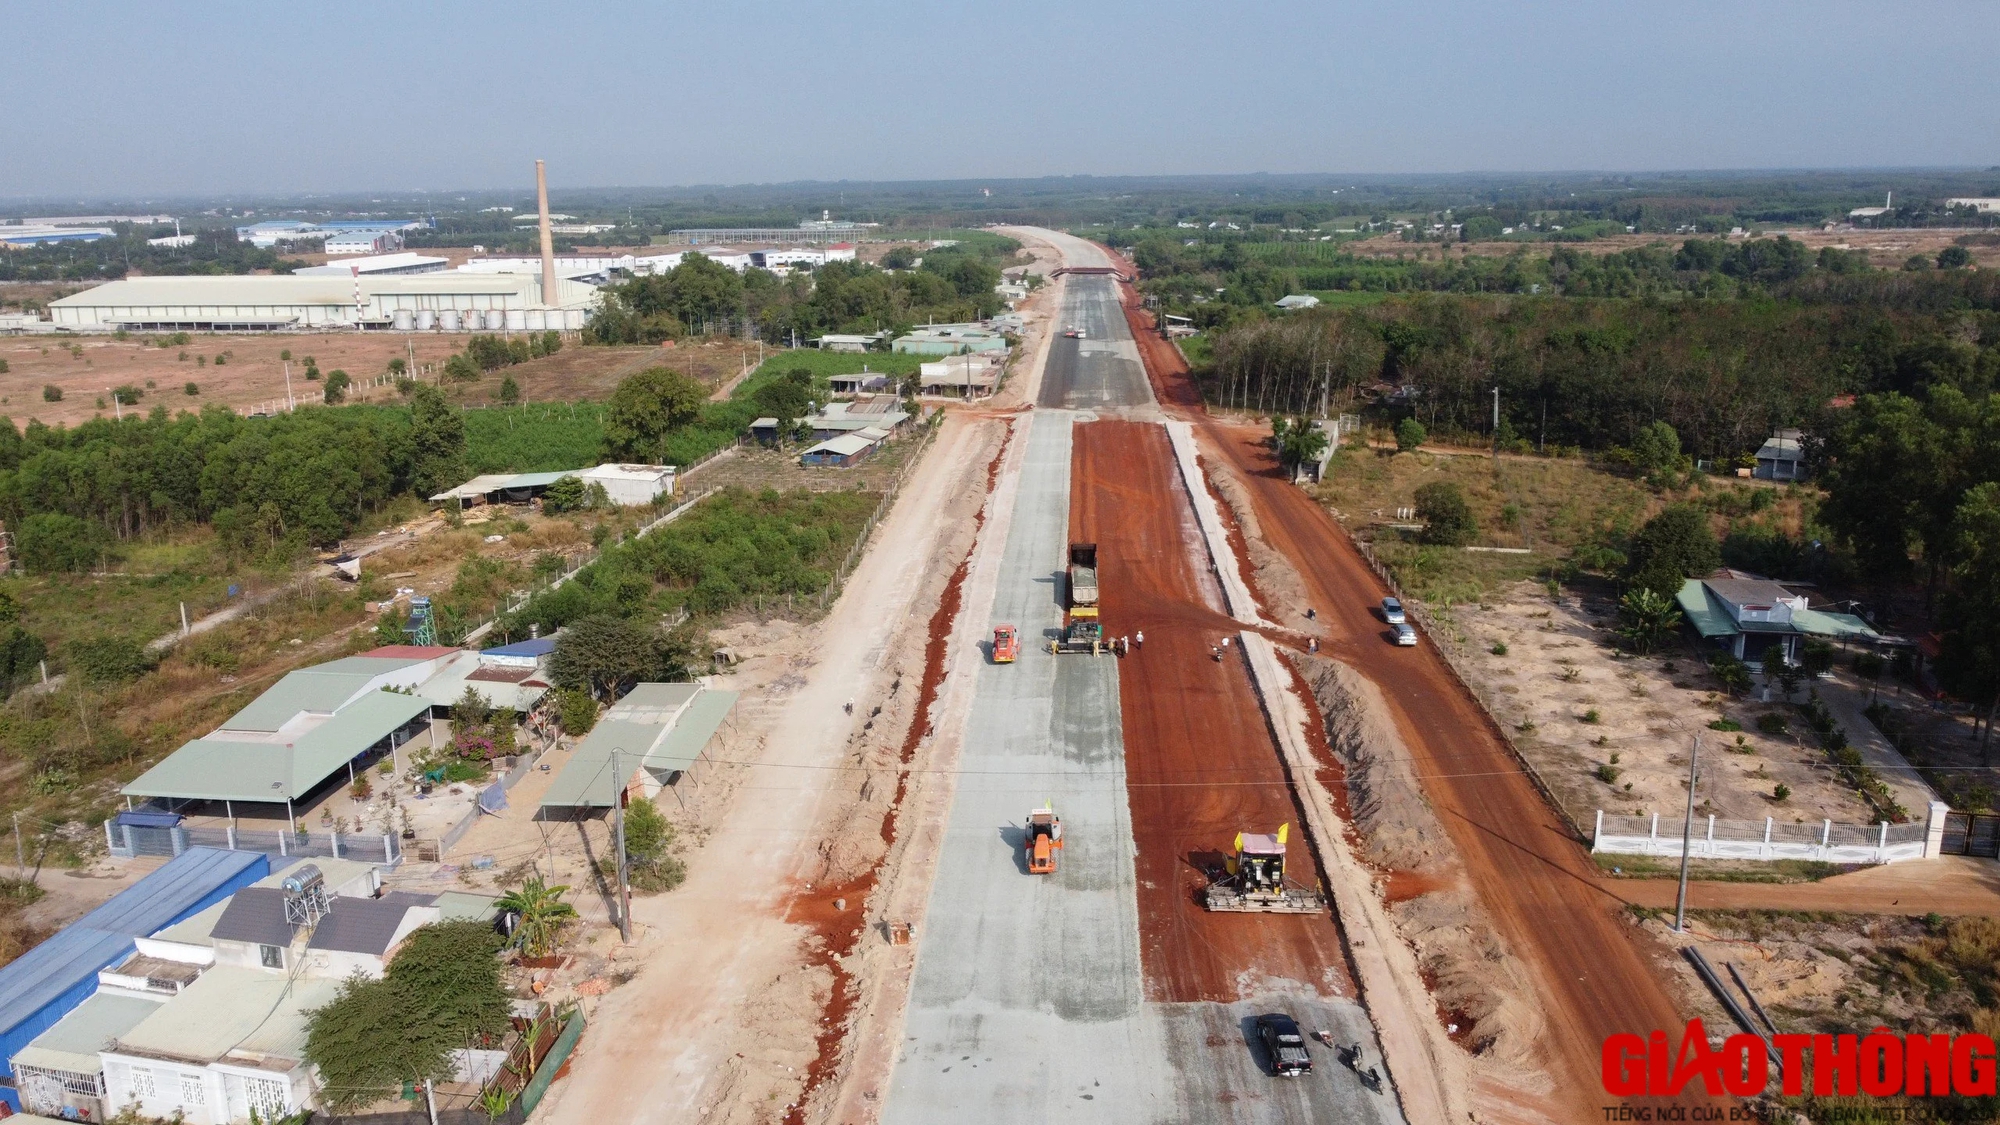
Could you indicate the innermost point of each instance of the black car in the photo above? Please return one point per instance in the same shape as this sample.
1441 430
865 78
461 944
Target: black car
1284 1043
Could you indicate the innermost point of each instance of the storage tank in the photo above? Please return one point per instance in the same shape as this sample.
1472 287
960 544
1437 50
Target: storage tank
517 320
402 320
448 320
426 320
536 320
495 320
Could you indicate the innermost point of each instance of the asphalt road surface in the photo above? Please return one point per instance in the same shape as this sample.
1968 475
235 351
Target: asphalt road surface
1029 1001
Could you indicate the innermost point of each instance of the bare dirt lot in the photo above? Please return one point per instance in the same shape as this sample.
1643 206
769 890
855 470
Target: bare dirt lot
251 372
1612 731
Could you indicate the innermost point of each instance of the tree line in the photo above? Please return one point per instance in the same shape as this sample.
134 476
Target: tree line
1252 275
700 296
1591 374
280 484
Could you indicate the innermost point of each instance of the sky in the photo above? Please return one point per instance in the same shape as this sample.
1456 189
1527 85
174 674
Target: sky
134 99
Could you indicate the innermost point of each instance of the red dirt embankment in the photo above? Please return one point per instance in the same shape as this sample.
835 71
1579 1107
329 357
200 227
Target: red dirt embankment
1597 974
1200 763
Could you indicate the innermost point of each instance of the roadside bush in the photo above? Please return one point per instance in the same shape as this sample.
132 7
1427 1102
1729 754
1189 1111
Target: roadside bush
648 840
1410 434
1447 518
108 660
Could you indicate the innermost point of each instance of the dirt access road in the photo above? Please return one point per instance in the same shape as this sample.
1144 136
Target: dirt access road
1597 975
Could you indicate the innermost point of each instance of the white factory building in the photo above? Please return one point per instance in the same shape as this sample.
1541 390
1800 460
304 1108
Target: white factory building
450 301
382 265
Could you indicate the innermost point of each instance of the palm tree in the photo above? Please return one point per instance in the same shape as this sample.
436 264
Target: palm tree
1648 618
542 913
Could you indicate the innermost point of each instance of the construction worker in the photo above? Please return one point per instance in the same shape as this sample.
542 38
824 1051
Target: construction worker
1139 637
1312 644
1124 646
1225 642
1311 613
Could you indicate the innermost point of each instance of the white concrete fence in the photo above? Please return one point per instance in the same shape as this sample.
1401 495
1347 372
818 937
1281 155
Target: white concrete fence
1768 840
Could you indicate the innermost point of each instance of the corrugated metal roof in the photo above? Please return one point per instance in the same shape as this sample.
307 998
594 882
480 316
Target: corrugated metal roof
364 925
846 445
35 981
323 688
255 915
231 1009
72 1044
219 769
635 726
537 646
1708 616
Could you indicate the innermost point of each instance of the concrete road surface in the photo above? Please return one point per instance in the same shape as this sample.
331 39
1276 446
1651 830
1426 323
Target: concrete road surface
1028 1002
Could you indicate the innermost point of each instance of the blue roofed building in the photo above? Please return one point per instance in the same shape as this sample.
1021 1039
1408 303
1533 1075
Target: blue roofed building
47 982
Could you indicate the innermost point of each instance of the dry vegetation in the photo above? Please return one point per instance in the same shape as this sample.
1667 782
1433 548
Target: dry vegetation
1886 249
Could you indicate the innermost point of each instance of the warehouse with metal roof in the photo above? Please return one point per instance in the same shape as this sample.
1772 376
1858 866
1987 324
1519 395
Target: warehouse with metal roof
50 980
657 733
260 303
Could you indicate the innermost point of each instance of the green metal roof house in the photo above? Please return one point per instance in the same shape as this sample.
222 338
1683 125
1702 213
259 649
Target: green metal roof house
302 731
1751 616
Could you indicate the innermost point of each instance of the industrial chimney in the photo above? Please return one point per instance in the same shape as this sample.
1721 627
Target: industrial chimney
548 242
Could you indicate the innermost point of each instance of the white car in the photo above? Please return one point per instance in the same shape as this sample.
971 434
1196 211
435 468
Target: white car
1392 611
1406 637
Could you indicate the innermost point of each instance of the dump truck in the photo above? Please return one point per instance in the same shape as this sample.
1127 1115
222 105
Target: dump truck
1006 644
1252 881
1043 841
1082 574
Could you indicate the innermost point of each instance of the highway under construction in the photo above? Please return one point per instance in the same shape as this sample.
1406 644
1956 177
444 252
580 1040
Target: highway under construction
1101 990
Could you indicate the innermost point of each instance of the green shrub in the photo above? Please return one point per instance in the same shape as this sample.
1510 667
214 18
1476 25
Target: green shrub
51 393
191 389
1591 716
1410 434
108 660
1447 517
53 543
1499 648
577 712
1725 724
127 394
1608 774
1773 723
1782 792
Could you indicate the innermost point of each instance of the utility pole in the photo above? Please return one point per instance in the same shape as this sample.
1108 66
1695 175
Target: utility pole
1687 843
430 1101
1496 425
289 404
618 832
20 854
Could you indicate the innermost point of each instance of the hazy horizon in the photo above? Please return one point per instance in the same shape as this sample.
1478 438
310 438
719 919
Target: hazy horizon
226 101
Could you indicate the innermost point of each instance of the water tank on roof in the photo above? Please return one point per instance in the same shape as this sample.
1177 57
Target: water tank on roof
402 320
517 320
495 320
534 320
448 320
426 320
